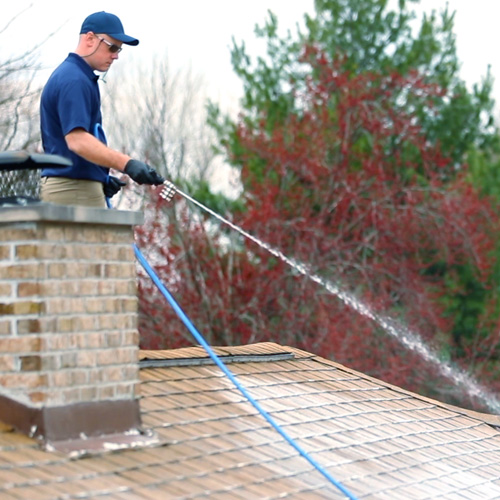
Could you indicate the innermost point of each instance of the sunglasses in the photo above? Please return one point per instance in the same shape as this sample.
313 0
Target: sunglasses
113 48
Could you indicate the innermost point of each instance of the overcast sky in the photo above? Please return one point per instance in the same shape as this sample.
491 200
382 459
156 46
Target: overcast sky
197 33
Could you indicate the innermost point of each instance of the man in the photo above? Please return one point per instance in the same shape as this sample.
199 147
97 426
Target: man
71 122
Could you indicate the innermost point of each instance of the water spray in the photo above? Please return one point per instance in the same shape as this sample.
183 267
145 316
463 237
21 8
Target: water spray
401 333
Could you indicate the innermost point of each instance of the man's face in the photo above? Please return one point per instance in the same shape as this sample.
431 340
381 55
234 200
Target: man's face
104 52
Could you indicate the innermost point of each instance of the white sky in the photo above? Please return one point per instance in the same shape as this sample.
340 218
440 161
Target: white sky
196 34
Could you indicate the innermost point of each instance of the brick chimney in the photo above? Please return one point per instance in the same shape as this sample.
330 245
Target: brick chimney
68 321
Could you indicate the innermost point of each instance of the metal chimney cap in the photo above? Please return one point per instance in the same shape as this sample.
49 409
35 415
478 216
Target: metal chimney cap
22 160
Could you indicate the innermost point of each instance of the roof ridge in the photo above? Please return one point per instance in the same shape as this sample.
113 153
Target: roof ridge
196 352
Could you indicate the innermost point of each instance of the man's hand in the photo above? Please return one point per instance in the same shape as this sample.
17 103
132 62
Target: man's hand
112 186
142 173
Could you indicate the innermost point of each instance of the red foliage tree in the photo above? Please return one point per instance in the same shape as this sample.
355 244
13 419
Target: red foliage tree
350 187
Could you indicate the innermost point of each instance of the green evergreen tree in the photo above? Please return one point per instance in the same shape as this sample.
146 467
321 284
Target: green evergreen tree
371 37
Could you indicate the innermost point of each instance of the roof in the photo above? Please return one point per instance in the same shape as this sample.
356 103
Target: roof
379 441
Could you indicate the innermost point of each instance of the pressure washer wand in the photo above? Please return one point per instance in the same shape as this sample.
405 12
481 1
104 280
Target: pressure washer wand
168 192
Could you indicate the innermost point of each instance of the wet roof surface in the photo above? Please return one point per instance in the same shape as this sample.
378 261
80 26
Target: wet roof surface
377 440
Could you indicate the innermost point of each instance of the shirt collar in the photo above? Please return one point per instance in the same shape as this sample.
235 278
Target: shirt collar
81 63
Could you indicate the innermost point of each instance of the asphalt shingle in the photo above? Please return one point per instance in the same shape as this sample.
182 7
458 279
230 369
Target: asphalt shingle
379 441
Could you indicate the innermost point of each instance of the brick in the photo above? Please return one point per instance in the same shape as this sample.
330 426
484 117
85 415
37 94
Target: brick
130 305
112 305
11 233
30 363
59 288
131 373
69 378
69 396
20 344
116 235
60 378
7 363
88 393
77 304
86 359
38 397
22 271
5 327
86 323
52 397
79 377
126 287
86 234
122 270
94 305
128 391
24 326
122 322
83 270
93 341
27 251
50 362
113 339
6 289
64 306
89 288
110 322
66 324
132 321
105 393
68 359
106 287
18 308
57 270
95 377
126 253
68 288
59 342
53 233
28 288
5 252
108 357
23 380
129 338
126 355
114 374
35 325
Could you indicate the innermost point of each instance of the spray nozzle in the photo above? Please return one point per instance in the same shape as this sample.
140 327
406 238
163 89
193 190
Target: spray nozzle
168 191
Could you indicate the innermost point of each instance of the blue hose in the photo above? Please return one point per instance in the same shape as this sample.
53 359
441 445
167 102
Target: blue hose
200 340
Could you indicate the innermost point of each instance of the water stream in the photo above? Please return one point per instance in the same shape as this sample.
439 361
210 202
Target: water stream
407 338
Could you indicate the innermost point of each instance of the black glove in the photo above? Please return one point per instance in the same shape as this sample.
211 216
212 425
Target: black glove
142 173
112 186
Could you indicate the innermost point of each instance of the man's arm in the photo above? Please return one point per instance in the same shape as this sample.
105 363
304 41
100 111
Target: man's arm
90 148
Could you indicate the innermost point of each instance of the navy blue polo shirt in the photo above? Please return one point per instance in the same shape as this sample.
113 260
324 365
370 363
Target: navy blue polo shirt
70 100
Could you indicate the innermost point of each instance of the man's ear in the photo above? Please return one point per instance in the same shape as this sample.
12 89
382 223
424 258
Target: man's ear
89 38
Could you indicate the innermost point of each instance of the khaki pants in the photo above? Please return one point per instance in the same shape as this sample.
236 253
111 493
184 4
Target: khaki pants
64 191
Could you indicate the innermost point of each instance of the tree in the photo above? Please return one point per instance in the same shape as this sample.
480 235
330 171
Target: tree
353 211
158 114
341 172
368 36
19 118
341 196
386 127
